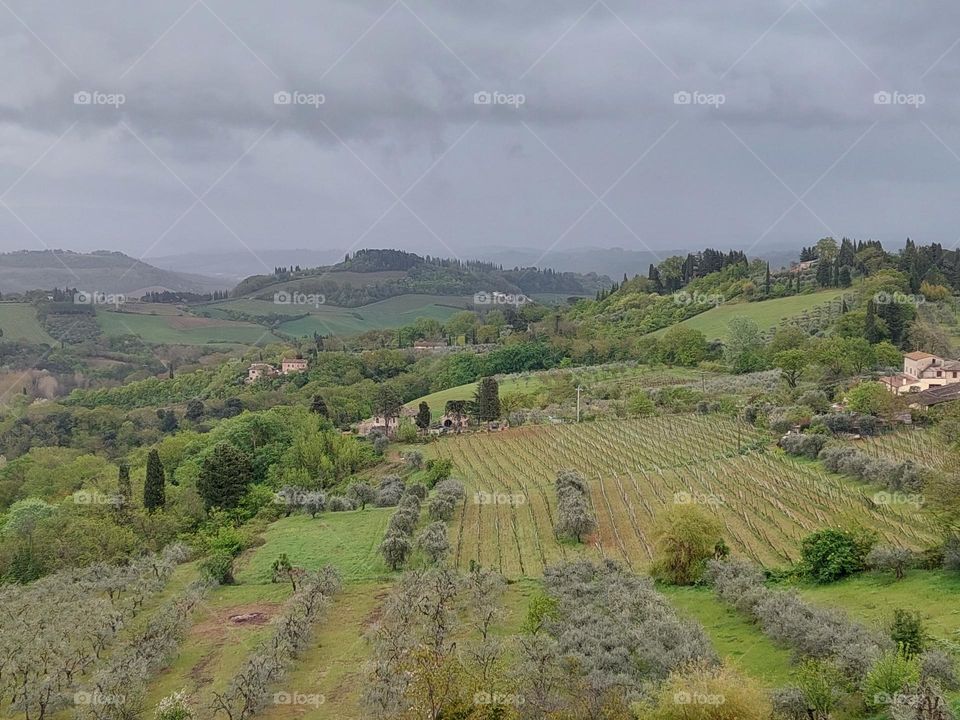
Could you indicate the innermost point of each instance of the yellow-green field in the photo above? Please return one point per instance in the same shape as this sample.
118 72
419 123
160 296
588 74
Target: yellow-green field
19 322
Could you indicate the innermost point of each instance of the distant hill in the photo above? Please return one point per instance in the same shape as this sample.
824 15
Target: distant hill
369 276
100 271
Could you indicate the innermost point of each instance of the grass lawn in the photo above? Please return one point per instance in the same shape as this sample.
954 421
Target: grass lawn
767 313
438 400
736 639
19 322
874 596
347 540
181 329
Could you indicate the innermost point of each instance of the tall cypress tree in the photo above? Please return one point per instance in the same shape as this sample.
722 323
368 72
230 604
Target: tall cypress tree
488 400
224 477
123 484
766 282
870 329
423 416
154 493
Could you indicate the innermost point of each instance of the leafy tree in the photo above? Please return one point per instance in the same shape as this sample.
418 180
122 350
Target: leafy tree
224 476
423 416
395 548
685 537
871 398
821 685
487 400
219 566
792 363
574 516
891 675
744 345
891 559
361 493
681 345
154 491
24 516
434 541
387 402
832 554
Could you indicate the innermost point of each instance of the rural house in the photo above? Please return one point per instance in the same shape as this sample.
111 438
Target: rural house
287 367
922 371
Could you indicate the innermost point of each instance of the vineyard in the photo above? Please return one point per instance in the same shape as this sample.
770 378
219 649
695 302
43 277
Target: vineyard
920 446
767 502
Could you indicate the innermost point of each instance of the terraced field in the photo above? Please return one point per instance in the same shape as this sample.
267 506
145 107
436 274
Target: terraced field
766 501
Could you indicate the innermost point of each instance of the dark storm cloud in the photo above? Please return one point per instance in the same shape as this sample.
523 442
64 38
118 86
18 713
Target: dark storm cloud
619 123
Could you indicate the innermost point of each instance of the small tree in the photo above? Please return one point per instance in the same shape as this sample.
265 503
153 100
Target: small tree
387 403
154 492
314 502
434 542
395 549
123 484
890 559
195 410
908 632
423 416
686 537
361 493
792 363
891 675
832 554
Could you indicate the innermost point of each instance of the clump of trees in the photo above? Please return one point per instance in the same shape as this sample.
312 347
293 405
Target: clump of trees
447 495
398 541
248 690
574 514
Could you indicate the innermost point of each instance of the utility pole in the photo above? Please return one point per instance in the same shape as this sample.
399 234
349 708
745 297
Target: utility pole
578 402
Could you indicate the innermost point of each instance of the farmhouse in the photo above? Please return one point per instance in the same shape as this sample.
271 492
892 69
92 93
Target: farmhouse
293 365
922 371
260 370
388 426
287 367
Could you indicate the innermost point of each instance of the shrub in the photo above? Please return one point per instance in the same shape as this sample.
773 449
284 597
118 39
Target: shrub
417 490
441 507
339 503
803 445
219 567
395 549
389 491
893 672
433 541
828 555
937 666
907 631
704 692
816 400
361 493
437 470
574 517
413 459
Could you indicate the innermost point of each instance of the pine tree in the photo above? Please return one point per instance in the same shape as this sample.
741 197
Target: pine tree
423 416
154 493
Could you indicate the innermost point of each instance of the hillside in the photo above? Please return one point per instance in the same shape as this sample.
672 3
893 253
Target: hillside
100 271
371 275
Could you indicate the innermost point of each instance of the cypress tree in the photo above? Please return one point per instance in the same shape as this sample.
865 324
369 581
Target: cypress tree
123 484
423 416
870 330
224 476
154 494
766 283
488 400
319 406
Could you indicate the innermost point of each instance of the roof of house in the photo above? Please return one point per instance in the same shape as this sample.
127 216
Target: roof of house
919 355
936 395
950 365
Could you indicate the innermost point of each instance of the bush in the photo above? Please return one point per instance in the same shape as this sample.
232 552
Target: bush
890 559
803 445
417 490
395 549
685 538
339 503
219 567
907 631
389 491
816 400
828 555
437 471
891 675
704 692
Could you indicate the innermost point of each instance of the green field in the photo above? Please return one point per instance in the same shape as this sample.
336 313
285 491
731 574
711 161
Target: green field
736 639
767 314
333 320
19 322
347 540
181 329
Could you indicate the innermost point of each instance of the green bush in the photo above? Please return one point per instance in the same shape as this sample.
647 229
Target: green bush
219 566
829 555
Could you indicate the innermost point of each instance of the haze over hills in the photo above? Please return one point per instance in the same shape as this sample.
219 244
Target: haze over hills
102 271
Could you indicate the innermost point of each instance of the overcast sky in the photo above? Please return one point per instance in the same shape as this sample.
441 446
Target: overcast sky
617 123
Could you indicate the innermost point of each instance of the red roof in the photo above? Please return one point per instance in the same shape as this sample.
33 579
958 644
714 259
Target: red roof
919 355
